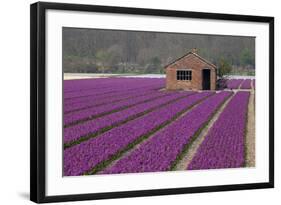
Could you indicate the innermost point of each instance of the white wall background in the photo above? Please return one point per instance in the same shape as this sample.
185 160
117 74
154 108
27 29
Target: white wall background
14 100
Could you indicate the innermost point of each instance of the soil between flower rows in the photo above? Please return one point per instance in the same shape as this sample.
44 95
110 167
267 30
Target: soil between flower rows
130 118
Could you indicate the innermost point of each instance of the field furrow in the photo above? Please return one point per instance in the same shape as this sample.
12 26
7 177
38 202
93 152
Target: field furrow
88 114
247 84
86 84
73 101
100 87
94 98
116 88
89 156
111 90
234 83
93 84
161 150
95 101
82 131
223 146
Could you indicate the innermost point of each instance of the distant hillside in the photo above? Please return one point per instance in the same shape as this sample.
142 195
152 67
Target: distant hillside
109 51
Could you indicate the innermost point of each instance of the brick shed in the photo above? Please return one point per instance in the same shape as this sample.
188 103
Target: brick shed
191 72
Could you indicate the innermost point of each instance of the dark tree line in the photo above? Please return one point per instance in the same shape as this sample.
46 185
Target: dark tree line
109 51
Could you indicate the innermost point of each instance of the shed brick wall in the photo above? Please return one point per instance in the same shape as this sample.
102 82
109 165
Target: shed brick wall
196 65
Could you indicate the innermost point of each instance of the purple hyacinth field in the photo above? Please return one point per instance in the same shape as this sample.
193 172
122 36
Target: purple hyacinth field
114 125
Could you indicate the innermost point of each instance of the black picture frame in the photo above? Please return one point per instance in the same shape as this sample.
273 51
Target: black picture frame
38 100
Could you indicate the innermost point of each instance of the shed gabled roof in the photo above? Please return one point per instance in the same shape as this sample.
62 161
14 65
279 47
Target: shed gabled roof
195 54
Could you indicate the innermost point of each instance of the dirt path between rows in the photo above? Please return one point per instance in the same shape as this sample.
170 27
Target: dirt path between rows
188 156
151 136
250 133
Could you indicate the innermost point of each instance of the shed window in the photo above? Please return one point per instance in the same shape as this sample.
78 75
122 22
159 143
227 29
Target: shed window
184 75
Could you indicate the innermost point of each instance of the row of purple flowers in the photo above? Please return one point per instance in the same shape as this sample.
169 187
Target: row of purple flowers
224 146
83 157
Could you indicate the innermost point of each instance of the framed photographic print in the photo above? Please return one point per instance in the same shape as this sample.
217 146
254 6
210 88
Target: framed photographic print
129 102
